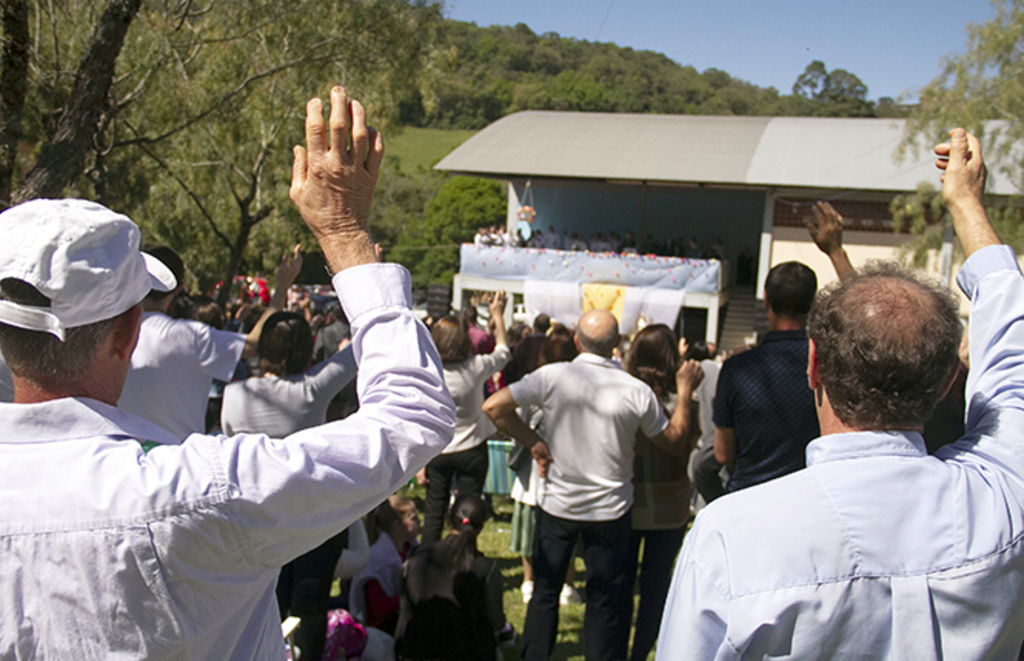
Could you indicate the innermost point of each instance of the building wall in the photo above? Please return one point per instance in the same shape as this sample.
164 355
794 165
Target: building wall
794 244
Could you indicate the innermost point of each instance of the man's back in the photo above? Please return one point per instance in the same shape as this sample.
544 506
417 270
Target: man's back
876 549
763 395
172 369
592 411
174 553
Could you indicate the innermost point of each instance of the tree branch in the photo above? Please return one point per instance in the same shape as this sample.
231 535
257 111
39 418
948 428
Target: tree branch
63 160
223 100
188 191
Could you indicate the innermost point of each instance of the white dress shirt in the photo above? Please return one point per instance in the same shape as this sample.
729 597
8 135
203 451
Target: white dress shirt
877 550
110 552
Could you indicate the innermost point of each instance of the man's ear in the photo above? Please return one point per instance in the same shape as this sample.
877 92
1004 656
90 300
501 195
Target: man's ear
576 341
950 380
125 334
813 376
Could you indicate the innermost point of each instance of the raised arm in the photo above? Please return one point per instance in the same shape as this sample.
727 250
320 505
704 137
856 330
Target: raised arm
287 271
680 434
319 480
963 190
498 315
827 232
501 409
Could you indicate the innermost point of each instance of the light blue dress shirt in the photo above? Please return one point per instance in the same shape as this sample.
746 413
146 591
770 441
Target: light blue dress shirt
877 550
108 552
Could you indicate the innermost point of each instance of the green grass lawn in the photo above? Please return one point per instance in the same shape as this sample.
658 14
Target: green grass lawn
493 542
417 149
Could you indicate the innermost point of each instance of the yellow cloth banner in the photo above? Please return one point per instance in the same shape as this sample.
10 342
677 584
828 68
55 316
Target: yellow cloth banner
604 297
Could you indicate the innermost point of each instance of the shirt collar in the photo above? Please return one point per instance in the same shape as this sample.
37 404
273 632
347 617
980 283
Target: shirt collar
858 445
73 417
594 359
784 336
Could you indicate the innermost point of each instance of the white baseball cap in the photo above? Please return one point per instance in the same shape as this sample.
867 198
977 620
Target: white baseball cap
82 256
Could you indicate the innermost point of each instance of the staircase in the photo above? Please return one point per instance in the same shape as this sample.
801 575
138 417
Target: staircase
745 319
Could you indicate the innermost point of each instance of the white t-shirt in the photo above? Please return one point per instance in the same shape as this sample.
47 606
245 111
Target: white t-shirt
592 412
173 366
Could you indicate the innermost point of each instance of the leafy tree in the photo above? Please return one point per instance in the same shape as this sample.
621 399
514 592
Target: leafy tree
461 206
192 133
73 105
984 83
499 70
836 93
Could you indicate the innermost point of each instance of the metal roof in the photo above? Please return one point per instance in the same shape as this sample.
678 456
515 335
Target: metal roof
804 152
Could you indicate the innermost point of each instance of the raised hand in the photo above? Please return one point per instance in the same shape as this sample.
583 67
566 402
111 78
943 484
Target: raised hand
827 228
963 188
689 375
289 268
333 184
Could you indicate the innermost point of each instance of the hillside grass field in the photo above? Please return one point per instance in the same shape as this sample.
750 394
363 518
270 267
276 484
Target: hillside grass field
419 149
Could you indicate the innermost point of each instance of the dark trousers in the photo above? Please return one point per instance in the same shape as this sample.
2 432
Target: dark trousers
304 589
660 549
606 552
469 470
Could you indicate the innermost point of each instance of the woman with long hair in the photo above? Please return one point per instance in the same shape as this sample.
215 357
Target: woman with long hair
451 606
465 459
661 488
286 398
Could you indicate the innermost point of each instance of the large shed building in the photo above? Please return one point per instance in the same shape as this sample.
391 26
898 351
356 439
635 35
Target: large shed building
745 183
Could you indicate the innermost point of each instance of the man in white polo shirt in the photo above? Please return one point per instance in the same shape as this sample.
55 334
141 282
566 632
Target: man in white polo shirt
592 412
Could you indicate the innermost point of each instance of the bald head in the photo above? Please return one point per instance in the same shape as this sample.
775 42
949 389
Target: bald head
598 332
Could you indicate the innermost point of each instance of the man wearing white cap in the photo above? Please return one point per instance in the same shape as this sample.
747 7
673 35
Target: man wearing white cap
115 546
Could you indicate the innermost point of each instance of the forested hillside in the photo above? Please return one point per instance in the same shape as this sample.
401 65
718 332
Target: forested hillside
498 70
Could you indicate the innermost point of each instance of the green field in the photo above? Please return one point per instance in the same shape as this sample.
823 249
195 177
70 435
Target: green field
415 150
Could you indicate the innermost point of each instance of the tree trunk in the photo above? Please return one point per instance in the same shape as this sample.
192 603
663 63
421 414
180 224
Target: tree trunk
13 87
63 160
234 261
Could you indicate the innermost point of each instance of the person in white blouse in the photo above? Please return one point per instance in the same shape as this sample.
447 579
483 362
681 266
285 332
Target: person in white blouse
465 460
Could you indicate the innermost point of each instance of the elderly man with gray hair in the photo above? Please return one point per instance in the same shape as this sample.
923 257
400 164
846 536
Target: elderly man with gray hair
584 452
113 545
876 549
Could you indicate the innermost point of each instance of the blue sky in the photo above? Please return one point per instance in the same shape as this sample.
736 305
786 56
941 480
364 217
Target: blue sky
893 46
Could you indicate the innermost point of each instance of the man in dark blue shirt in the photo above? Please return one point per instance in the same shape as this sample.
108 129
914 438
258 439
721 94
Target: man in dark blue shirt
764 410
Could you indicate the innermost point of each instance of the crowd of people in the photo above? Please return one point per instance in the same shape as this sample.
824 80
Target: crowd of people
600 242
152 513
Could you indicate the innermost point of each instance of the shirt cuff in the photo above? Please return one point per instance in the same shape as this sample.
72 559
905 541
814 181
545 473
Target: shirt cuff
367 287
983 262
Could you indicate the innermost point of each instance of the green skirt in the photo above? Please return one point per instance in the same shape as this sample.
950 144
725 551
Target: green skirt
522 530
